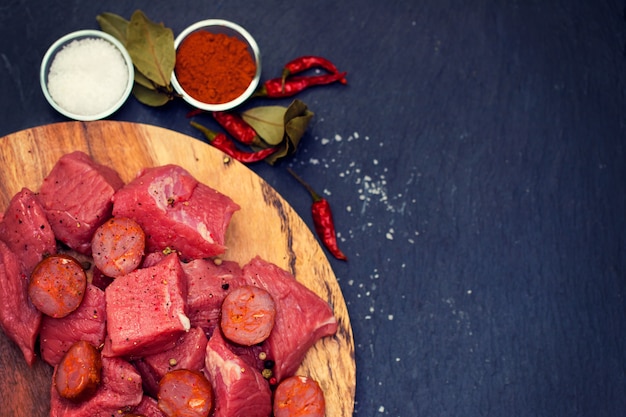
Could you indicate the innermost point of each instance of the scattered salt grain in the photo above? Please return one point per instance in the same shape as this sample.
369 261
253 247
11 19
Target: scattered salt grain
88 76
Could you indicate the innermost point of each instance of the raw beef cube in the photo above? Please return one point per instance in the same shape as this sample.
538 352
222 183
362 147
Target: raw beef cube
208 284
77 196
146 309
188 353
19 319
240 390
302 318
25 229
119 390
87 323
176 211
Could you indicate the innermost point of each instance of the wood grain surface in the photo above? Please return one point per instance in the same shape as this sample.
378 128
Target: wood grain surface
266 225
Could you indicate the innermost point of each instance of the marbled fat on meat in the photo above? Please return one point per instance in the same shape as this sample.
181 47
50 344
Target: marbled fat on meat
87 323
146 310
77 196
240 390
176 211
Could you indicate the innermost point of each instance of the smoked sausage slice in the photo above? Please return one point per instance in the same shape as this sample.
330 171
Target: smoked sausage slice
183 392
299 396
78 374
118 246
248 315
57 285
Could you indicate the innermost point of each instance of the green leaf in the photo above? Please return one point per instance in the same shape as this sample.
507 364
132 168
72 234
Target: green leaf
144 81
153 98
296 127
296 120
114 25
268 122
151 47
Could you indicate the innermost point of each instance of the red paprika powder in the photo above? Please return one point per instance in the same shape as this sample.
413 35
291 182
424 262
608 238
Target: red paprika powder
213 67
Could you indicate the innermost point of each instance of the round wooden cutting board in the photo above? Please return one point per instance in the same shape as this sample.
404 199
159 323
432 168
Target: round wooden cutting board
266 226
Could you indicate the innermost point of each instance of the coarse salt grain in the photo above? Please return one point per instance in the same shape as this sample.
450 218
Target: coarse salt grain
88 76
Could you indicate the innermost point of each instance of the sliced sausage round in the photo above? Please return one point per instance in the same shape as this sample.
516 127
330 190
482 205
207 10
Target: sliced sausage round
77 376
248 315
185 393
57 285
299 396
118 246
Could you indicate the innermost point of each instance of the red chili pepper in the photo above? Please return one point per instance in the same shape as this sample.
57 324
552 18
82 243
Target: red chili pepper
193 113
221 142
274 87
237 127
322 220
304 63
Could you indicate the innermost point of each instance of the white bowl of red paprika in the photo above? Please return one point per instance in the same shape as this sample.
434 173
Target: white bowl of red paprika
86 75
218 65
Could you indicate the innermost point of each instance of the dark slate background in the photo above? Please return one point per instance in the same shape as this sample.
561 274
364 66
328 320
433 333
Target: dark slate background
476 165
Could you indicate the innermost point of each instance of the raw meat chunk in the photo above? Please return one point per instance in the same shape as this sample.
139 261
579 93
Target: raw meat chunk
207 285
146 309
188 353
19 319
120 389
302 318
77 195
176 212
240 390
26 231
87 323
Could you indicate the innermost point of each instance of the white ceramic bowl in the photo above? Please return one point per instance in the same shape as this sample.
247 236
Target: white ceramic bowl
58 46
231 29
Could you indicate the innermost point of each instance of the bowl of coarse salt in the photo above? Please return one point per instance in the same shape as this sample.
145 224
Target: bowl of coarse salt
87 75
218 65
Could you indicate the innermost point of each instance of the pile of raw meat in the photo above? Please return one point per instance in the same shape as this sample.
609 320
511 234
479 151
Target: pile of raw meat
162 313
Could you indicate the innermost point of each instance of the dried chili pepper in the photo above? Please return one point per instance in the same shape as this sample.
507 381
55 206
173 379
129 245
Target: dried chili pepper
224 144
306 62
274 87
193 113
237 127
322 219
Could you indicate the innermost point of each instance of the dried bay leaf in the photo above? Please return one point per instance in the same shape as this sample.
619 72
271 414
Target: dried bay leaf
151 47
150 97
297 118
280 127
114 25
268 122
144 81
